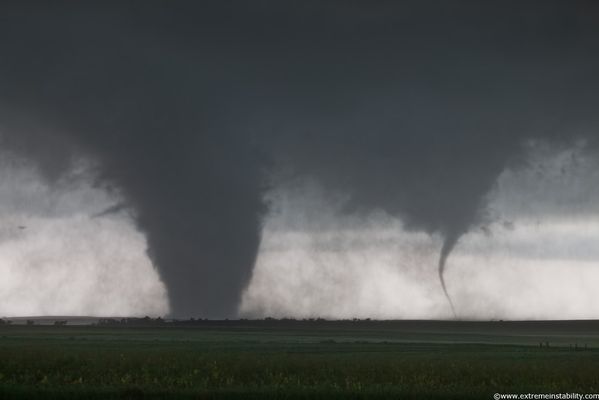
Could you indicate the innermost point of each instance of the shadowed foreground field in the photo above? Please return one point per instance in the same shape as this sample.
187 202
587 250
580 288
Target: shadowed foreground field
299 359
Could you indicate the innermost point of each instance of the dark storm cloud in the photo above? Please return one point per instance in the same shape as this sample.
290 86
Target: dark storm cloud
412 107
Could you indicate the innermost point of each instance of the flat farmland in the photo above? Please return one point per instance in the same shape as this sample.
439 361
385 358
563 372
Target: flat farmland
299 359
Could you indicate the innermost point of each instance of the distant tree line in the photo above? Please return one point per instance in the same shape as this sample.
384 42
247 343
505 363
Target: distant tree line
145 321
148 321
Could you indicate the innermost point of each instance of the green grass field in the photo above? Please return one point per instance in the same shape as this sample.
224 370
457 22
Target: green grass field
262 359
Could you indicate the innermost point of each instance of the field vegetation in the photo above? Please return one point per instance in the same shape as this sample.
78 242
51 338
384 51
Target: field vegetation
297 359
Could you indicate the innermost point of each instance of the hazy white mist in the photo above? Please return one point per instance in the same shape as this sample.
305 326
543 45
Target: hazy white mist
534 255
57 259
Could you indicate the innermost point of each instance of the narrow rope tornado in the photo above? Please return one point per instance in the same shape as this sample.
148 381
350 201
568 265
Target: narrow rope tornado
448 245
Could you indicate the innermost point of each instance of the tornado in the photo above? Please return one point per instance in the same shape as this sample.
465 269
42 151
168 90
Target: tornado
448 245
